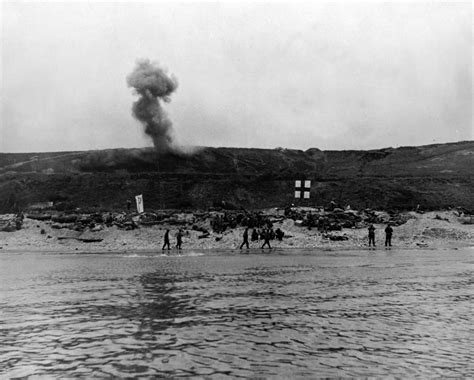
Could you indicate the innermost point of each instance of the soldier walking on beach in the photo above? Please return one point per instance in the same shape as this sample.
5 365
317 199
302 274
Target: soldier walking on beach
167 240
371 235
246 238
388 235
254 235
179 239
266 238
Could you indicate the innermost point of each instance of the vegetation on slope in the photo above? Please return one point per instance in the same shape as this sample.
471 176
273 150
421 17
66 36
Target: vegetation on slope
433 176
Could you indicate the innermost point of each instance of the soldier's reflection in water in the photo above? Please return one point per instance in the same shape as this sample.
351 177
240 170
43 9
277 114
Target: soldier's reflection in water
159 303
164 303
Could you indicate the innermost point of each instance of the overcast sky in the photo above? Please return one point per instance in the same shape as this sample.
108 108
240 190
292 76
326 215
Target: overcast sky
339 75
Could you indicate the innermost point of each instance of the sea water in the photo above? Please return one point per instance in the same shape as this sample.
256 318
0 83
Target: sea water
279 314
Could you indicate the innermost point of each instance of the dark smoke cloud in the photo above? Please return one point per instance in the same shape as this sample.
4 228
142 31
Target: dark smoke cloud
153 84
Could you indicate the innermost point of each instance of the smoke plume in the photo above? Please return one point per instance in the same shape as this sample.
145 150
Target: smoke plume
154 86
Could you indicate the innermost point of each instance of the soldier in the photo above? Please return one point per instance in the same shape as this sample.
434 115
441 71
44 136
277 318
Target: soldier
266 238
254 235
388 235
179 239
371 235
167 240
246 238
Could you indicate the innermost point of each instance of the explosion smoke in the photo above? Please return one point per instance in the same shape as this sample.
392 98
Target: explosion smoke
153 84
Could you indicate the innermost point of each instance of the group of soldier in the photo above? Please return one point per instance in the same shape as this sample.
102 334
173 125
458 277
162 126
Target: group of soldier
267 234
179 240
388 235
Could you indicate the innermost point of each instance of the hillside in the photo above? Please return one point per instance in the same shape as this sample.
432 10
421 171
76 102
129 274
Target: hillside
432 176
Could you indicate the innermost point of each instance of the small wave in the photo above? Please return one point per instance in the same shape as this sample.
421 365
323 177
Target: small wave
144 255
161 255
194 254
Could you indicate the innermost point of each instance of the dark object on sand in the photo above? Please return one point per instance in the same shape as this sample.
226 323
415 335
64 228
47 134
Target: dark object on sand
10 223
437 217
85 240
279 234
71 218
90 240
39 216
336 237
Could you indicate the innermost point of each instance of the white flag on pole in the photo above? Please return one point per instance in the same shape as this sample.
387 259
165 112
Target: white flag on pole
139 200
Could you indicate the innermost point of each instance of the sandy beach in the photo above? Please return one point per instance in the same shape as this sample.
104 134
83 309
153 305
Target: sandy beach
440 229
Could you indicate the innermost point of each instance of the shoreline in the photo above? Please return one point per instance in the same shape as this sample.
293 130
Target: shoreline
430 230
226 251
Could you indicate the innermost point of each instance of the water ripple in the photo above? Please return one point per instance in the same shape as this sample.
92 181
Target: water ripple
287 316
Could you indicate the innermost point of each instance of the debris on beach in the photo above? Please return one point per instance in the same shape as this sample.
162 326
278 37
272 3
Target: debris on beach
305 227
220 221
11 222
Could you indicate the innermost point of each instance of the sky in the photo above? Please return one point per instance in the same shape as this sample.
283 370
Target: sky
336 75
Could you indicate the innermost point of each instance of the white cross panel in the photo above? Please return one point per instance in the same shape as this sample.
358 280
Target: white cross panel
302 190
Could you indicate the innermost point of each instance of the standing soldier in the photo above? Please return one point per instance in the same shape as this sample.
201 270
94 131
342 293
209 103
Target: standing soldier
246 238
179 239
372 235
388 235
167 240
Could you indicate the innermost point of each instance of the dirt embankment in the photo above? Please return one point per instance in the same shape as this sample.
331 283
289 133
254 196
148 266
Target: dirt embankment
431 229
434 176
